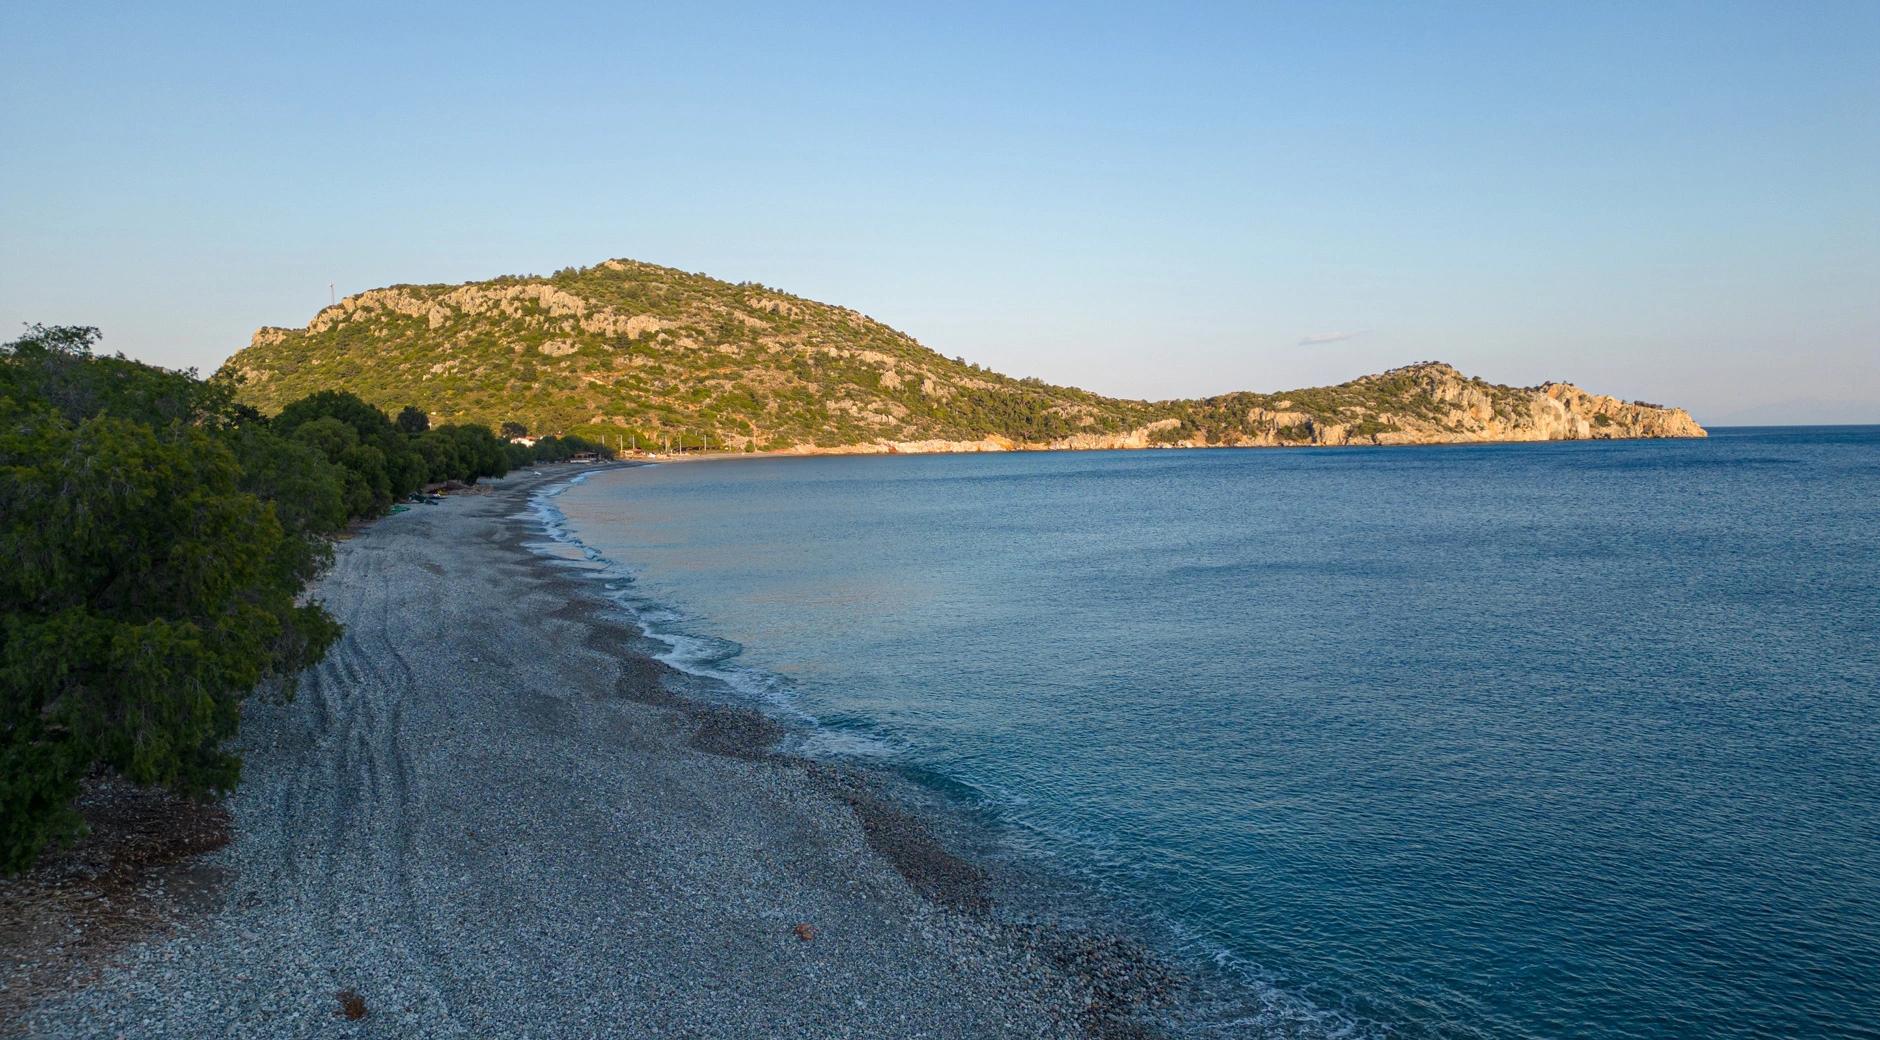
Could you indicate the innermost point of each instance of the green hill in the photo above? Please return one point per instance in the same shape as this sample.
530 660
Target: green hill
634 351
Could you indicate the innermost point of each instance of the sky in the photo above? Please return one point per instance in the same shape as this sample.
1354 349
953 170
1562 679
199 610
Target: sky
1675 202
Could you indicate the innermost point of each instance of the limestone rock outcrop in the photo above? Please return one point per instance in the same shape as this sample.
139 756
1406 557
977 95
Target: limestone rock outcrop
637 354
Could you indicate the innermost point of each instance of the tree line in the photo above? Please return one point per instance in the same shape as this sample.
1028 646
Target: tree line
156 539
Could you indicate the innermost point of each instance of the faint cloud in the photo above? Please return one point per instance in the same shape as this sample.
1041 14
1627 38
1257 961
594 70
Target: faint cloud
1319 339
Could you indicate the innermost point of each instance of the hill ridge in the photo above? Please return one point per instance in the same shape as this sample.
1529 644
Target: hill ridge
653 355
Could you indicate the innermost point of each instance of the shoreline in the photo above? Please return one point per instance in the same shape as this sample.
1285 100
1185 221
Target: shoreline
484 814
892 450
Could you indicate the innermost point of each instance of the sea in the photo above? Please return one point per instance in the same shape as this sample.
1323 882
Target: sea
1517 740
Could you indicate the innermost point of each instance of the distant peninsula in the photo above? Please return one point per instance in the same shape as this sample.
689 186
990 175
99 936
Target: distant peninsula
637 354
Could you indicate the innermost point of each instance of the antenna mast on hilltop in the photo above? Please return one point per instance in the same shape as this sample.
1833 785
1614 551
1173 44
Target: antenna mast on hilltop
330 301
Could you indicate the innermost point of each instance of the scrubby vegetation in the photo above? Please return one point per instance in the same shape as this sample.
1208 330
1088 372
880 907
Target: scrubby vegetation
156 539
630 353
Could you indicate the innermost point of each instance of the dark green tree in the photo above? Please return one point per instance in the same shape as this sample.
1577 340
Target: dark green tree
384 464
477 451
412 421
441 457
145 593
155 539
56 365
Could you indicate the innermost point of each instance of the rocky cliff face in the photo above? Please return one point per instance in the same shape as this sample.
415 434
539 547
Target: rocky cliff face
646 355
1433 403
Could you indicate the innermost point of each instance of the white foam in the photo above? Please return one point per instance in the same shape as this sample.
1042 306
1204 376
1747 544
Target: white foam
831 742
1261 1005
694 654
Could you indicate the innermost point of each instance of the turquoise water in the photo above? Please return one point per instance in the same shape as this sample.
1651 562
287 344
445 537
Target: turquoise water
1513 740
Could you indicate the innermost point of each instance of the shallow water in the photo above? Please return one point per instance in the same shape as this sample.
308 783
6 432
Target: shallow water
1512 740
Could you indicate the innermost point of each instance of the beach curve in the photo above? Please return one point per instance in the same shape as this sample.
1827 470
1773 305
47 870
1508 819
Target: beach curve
481 816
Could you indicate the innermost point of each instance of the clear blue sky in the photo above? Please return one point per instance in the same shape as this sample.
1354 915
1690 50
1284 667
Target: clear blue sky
1670 201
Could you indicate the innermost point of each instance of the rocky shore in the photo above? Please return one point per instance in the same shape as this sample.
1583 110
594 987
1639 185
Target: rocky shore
1425 403
481 817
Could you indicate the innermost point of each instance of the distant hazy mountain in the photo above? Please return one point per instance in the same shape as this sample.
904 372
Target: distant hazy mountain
635 351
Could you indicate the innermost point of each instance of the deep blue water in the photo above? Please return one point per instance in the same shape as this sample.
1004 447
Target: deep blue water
1513 740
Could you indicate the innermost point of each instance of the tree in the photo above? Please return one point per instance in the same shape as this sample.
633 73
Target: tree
155 541
66 340
476 451
513 430
412 421
307 491
367 421
441 458
56 365
327 435
384 464
146 594
559 449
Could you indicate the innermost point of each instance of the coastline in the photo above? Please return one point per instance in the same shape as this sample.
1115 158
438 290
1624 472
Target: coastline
484 814
886 448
